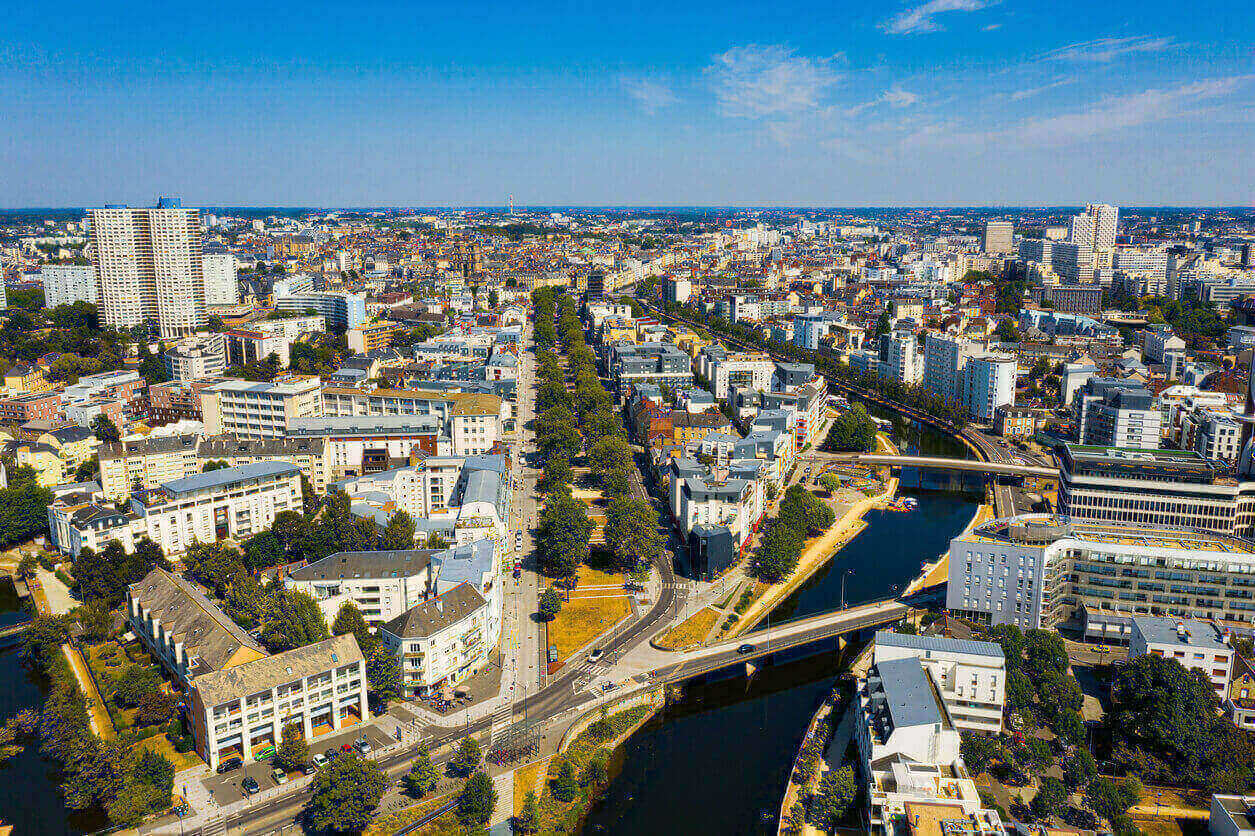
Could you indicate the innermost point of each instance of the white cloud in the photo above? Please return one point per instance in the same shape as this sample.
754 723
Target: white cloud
897 97
1105 50
755 81
991 27
1117 113
920 18
1021 95
651 94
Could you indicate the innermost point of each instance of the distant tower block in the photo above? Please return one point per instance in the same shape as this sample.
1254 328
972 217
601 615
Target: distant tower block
510 203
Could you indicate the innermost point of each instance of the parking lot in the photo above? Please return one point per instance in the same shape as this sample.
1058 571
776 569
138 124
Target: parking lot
226 788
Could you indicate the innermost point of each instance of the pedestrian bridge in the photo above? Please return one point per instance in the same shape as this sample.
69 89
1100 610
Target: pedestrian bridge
937 463
771 640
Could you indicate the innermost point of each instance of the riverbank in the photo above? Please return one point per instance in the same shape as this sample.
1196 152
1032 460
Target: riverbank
817 554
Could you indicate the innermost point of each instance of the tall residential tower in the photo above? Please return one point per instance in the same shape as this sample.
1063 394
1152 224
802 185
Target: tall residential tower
149 266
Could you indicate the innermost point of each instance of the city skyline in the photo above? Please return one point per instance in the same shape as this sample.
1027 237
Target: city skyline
939 103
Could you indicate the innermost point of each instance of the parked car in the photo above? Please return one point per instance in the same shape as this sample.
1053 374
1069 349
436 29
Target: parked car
279 775
319 760
309 768
362 745
347 747
229 764
250 785
331 754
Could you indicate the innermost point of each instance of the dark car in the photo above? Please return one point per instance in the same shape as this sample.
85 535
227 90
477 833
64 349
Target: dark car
229 764
250 785
332 754
745 648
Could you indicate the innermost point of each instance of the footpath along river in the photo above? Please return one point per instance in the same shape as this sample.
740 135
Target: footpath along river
717 759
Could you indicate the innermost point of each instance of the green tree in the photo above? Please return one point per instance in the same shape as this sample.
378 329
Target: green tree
105 429
557 474
595 771
345 794
528 819
1007 331
155 708
422 777
631 532
399 532
978 751
477 801
133 683
293 751
854 430
777 553
1079 768
383 674
467 758
1050 798
295 622
1110 799
565 787
563 535
836 793
550 605
23 508
830 483
350 620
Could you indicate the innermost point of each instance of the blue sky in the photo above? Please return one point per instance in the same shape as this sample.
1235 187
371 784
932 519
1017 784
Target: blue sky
941 102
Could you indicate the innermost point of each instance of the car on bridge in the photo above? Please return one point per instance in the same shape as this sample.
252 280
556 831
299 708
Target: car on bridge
745 648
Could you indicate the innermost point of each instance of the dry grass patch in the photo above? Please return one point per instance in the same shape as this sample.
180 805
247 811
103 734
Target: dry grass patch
525 782
590 612
161 744
692 630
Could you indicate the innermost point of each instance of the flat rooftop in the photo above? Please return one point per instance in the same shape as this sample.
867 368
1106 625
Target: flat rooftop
1046 528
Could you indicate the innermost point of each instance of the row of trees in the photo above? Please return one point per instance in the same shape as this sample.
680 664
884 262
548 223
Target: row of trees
126 784
911 395
580 419
801 515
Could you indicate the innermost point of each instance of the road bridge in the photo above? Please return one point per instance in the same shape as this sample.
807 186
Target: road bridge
940 463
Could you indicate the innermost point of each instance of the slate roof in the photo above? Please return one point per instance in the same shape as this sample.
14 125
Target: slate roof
380 564
430 617
229 476
191 618
218 687
972 648
908 693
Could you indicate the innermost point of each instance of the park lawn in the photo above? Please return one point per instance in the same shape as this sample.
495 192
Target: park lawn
525 782
691 631
583 619
161 744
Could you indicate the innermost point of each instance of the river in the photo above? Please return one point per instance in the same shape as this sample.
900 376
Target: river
716 760
30 799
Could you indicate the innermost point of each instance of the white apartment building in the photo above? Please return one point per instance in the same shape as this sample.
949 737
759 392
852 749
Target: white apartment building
1232 815
944 358
988 383
909 754
290 329
970 675
1040 570
221 281
999 237
748 371
1124 418
382 584
149 266
340 310
1073 261
441 642
241 711
1197 645
234 502
259 410
901 358
145 463
65 284
196 358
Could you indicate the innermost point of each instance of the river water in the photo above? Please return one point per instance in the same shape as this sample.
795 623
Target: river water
716 760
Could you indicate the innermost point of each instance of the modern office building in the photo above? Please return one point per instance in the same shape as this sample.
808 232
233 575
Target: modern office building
1171 488
340 310
259 410
999 238
221 282
241 711
1077 299
1041 570
149 266
65 284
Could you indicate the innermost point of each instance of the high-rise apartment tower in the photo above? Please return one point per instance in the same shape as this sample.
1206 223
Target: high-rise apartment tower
149 266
